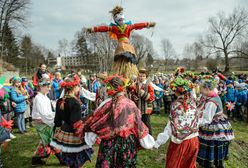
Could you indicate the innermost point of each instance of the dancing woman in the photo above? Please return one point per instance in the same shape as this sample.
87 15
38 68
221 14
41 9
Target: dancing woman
75 152
117 122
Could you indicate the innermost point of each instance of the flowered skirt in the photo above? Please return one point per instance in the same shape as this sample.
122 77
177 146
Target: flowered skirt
75 152
118 152
212 153
44 149
183 155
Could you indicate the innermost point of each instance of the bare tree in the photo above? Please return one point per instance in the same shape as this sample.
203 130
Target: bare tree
142 45
63 47
224 32
194 52
12 12
102 45
168 50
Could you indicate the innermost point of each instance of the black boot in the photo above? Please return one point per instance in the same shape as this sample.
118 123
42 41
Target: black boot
37 161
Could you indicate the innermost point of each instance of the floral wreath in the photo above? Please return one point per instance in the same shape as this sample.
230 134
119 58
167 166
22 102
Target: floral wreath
208 80
188 74
112 90
179 71
75 82
181 85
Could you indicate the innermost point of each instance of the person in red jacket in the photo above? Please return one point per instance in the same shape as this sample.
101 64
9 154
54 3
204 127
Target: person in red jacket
125 57
42 72
142 93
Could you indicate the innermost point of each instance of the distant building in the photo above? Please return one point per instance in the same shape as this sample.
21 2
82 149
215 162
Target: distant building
91 63
72 61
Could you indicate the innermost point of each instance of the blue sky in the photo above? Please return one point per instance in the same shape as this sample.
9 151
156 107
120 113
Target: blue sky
180 21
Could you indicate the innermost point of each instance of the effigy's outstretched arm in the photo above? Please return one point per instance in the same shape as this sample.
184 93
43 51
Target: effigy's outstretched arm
139 26
99 29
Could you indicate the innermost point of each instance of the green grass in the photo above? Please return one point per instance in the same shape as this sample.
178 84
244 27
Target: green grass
21 149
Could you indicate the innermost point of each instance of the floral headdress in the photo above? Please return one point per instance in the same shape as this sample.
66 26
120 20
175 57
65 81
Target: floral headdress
188 74
181 85
116 84
208 81
75 82
179 71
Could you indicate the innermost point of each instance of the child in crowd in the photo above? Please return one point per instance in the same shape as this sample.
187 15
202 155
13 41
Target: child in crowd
241 100
230 97
158 97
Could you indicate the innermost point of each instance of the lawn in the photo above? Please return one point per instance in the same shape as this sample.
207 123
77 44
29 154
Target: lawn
20 150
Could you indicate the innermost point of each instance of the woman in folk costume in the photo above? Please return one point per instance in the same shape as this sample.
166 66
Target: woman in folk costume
182 127
117 122
216 132
43 121
75 152
125 57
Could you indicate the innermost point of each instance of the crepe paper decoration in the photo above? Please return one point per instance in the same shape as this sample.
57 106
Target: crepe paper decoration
230 106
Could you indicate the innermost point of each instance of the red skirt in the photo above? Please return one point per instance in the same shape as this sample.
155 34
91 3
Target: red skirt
183 155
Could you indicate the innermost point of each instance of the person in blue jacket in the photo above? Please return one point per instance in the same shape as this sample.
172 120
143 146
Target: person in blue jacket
231 96
241 99
158 97
17 96
56 85
94 85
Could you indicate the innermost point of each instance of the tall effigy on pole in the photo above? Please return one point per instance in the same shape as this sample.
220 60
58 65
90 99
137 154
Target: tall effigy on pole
125 61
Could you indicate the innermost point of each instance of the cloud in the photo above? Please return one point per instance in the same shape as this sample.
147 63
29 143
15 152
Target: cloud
181 21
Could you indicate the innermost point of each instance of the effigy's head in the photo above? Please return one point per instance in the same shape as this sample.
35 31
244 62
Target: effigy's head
118 15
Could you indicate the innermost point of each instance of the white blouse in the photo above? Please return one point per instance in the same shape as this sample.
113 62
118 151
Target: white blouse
42 109
207 114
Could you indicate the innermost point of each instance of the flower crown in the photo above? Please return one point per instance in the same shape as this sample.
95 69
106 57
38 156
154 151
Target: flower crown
179 70
181 85
112 89
188 74
75 82
208 81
